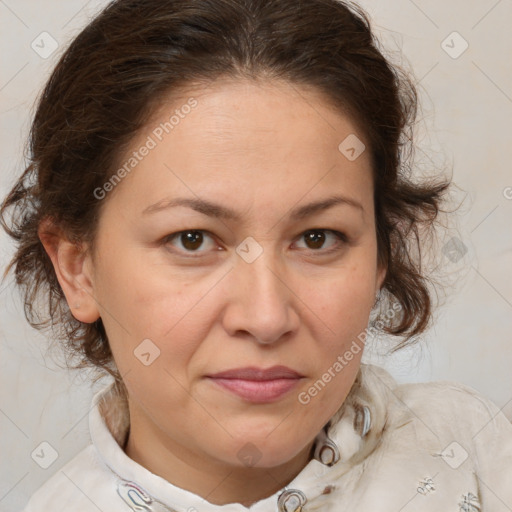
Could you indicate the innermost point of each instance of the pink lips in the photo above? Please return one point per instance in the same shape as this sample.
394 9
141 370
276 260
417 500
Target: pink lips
258 385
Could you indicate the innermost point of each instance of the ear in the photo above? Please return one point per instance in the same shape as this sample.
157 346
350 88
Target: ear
72 264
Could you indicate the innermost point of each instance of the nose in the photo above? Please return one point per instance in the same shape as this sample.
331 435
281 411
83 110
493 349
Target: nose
263 304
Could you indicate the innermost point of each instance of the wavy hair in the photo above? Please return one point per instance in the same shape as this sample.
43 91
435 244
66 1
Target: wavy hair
134 53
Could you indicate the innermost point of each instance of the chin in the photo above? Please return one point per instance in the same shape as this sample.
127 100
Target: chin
259 451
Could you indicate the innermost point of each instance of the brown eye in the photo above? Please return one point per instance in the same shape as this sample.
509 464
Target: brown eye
189 241
315 239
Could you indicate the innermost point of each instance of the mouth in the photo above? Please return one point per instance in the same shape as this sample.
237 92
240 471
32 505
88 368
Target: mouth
258 385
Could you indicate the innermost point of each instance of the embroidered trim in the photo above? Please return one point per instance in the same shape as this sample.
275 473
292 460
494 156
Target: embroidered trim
470 503
426 486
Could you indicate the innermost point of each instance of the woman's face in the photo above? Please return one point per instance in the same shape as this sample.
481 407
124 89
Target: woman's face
244 172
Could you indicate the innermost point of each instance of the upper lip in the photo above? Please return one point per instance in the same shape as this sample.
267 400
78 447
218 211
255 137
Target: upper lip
253 373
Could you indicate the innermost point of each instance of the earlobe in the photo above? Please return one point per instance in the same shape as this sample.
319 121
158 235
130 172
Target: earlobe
70 264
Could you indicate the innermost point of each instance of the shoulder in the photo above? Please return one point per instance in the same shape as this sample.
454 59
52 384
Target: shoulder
443 441
472 432
445 408
445 399
68 488
452 411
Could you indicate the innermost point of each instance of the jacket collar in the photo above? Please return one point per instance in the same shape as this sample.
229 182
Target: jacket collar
347 439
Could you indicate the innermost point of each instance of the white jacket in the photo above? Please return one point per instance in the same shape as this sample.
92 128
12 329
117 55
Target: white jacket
437 447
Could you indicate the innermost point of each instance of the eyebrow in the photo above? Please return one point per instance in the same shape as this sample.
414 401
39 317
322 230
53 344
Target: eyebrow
223 212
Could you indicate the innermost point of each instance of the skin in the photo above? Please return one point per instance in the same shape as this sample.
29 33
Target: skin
263 150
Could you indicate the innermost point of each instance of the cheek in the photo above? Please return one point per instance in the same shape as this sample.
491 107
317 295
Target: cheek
141 301
138 291
347 297
341 310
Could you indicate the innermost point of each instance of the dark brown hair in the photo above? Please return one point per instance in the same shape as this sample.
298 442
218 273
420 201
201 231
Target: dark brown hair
136 52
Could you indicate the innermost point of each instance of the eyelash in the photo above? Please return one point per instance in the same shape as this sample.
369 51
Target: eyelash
342 240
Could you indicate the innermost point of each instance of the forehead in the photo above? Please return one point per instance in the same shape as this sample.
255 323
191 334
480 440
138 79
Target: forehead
251 112
245 142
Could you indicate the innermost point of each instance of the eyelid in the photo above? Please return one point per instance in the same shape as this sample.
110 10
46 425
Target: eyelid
342 240
191 254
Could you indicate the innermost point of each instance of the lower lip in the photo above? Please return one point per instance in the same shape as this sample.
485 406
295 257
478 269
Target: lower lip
258 390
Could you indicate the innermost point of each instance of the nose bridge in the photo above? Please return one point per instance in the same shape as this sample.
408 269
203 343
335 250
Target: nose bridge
258 263
264 279
264 305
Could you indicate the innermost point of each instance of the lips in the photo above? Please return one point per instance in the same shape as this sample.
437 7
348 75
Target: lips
252 373
258 385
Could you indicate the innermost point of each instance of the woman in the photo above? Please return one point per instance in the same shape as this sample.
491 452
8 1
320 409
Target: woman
217 196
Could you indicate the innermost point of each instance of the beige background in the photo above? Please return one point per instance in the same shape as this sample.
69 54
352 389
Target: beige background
465 123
